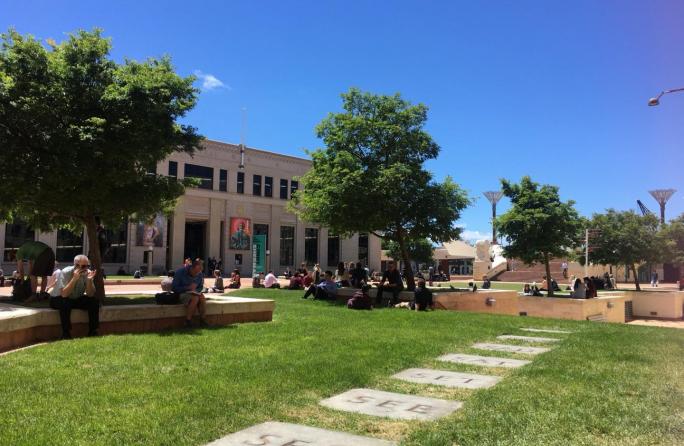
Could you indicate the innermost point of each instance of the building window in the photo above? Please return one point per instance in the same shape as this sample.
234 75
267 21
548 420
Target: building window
202 173
256 186
363 249
69 245
223 180
117 239
333 250
287 242
283 189
240 182
311 246
268 186
294 185
260 229
16 234
173 169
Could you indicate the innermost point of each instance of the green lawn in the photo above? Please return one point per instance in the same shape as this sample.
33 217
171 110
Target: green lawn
604 385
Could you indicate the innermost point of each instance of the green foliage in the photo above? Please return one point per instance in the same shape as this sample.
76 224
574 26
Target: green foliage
420 251
370 176
79 132
538 224
673 236
626 238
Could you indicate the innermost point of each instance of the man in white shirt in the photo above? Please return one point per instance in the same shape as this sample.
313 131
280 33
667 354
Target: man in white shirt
271 281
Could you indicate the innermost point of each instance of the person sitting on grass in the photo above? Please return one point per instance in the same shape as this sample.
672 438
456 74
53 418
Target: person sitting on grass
188 282
218 282
326 290
234 279
579 290
527 290
74 289
271 281
591 288
360 300
258 280
486 283
422 300
296 282
342 275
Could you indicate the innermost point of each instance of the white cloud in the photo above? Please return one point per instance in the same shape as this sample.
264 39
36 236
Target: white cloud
209 81
473 236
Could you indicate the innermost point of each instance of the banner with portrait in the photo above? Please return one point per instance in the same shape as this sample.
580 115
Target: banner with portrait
240 234
150 233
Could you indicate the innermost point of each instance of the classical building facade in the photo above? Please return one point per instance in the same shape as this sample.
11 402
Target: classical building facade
218 219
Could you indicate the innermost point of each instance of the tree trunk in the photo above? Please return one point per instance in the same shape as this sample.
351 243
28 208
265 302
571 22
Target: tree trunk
549 285
636 278
94 256
408 271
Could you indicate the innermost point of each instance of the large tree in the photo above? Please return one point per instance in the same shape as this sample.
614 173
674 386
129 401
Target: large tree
626 238
539 226
370 175
81 134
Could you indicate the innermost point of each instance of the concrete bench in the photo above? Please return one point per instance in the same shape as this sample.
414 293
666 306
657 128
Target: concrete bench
20 326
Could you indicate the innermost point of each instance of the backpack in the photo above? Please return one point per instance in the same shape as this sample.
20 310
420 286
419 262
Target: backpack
167 298
21 290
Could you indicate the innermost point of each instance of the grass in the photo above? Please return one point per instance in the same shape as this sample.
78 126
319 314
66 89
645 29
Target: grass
604 385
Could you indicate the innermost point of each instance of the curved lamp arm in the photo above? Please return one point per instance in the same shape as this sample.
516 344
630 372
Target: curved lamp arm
656 100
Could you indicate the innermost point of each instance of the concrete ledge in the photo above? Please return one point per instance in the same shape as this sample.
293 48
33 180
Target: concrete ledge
653 303
20 326
344 294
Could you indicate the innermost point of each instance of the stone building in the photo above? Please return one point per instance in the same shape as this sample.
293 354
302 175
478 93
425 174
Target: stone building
217 219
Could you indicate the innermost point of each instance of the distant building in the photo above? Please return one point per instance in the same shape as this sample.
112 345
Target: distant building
455 258
217 219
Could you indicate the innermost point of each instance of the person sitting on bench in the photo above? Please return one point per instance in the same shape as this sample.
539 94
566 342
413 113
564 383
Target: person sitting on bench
188 282
391 281
74 289
326 290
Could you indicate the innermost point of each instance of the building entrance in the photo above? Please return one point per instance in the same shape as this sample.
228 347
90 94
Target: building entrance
195 237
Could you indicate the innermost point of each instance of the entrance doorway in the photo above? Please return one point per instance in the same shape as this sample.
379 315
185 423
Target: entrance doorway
195 237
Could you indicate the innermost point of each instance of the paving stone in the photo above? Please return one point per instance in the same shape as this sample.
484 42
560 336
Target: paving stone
511 348
545 330
392 405
487 361
527 338
285 434
448 379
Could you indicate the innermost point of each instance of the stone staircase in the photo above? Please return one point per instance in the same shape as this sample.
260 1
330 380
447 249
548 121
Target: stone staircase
520 272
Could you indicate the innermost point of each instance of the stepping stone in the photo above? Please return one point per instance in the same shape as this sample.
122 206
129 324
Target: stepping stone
487 361
448 379
285 434
544 330
511 348
391 405
527 338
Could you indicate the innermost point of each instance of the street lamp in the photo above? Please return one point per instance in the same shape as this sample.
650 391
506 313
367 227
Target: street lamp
661 196
656 100
493 197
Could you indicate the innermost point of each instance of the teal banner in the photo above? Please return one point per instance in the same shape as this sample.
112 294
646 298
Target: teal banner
258 254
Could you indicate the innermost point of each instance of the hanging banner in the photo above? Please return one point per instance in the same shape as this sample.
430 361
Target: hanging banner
150 233
240 233
258 254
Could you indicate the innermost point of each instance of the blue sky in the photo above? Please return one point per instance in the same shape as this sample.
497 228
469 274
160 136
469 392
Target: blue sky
552 89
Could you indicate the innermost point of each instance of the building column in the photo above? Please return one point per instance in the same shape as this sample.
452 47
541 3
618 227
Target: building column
216 213
374 252
323 247
177 243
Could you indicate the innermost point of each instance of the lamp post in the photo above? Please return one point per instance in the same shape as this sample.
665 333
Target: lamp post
493 197
656 100
661 196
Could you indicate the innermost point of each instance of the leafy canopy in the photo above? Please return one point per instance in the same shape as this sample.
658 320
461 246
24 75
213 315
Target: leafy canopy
625 238
80 132
370 175
538 225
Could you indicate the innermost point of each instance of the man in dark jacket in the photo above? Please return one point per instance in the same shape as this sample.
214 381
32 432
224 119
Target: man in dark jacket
391 281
